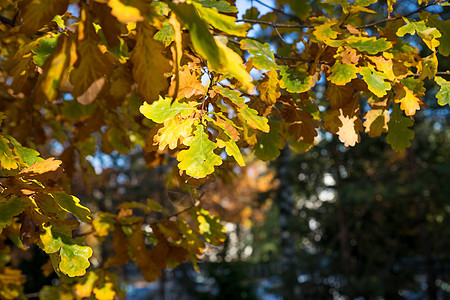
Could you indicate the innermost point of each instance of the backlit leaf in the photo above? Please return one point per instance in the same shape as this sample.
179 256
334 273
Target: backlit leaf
342 74
268 88
443 95
232 63
429 35
220 21
74 259
263 57
199 160
125 13
162 109
201 38
54 68
295 80
375 81
409 103
376 122
7 158
174 129
371 45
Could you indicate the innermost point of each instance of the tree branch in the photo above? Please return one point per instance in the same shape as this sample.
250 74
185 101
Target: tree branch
399 17
274 24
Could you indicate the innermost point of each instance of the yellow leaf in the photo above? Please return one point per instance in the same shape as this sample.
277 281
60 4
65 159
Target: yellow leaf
174 129
189 84
125 13
84 287
349 131
232 63
269 89
409 103
149 65
54 68
376 122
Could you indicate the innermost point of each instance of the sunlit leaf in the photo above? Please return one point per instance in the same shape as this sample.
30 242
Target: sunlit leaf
295 80
263 57
199 160
342 74
443 95
162 109
375 81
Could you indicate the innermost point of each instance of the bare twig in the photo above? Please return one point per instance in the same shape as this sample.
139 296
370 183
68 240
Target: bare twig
277 10
273 24
399 17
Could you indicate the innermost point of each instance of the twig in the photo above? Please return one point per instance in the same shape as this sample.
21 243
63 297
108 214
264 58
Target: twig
7 21
277 10
399 17
437 73
274 24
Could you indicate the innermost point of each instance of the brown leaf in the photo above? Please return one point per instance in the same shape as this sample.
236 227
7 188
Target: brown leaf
44 171
120 246
301 123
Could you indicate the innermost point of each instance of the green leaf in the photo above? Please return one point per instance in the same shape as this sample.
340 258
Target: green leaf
74 259
326 32
399 136
371 45
443 95
251 117
263 57
444 29
72 204
104 223
44 50
166 34
301 8
342 74
429 35
224 139
7 158
199 160
162 109
222 6
27 155
375 81
210 227
269 144
9 208
295 80
201 38
365 2
220 21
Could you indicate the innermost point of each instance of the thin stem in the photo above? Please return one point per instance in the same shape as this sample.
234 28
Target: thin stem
399 17
274 24
277 10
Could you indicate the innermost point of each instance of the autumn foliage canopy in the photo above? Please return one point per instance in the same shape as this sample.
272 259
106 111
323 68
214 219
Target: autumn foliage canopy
172 79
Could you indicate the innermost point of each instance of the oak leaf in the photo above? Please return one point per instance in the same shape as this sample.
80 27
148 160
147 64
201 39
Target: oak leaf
149 65
199 160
